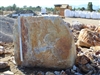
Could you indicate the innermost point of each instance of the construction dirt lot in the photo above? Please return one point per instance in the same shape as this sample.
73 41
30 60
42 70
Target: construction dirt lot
94 67
82 20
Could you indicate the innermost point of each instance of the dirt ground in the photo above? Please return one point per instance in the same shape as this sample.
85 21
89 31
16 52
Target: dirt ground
82 20
9 55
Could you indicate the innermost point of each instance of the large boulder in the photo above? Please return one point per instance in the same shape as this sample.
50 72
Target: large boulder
46 42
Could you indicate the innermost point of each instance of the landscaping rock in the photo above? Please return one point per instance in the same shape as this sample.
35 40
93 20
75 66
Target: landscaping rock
88 38
46 42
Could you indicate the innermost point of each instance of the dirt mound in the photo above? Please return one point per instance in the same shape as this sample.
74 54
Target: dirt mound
6 29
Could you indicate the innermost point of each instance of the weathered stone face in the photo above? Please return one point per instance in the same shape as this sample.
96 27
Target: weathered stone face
46 42
88 38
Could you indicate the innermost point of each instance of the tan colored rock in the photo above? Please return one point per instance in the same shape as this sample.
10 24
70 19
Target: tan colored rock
97 29
63 73
82 60
40 73
88 38
46 42
8 73
49 73
1 49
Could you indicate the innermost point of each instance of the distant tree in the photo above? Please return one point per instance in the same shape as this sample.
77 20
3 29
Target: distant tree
82 8
99 10
90 6
78 8
24 7
17 8
14 7
74 9
2 8
8 8
49 9
30 8
38 8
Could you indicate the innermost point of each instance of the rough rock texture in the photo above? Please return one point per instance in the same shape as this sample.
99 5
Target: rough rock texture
3 65
88 38
6 29
78 26
46 42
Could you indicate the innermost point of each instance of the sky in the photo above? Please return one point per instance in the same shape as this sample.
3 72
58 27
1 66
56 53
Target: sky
46 3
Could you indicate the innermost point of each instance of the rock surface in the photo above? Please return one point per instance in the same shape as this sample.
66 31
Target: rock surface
6 29
8 73
78 26
88 38
46 42
3 65
49 73
1 49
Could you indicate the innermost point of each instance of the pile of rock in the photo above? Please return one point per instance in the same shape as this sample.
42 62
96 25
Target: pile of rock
88 48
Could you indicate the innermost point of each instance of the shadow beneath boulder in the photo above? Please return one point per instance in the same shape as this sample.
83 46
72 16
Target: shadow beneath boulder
35 70
5 69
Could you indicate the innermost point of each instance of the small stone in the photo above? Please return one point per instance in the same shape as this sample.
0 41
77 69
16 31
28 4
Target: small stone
89 73
84 68
78 70
40 73
78 73
13 60
1 49
49 73
68 71
72 71
3 65
90 67
77 25
82 60
74 67
63 73
98 52
57 72
8 73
